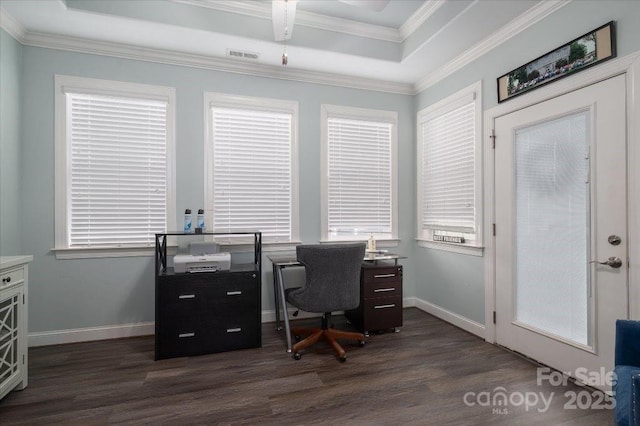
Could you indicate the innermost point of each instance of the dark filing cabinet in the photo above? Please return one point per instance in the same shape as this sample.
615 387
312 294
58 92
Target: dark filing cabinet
206 312
380 298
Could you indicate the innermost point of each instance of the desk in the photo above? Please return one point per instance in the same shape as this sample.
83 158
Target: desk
280 262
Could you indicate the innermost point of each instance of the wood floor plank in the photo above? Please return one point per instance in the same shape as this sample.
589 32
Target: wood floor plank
417 376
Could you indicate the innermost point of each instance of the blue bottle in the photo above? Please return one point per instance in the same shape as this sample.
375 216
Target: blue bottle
187 221
200 220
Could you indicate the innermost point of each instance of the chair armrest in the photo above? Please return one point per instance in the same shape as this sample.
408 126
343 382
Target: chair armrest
626 390
627 342
635 400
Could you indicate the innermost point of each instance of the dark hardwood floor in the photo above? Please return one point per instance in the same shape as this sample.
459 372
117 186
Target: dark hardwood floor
428 374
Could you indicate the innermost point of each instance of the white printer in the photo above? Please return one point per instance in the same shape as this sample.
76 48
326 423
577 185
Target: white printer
202 262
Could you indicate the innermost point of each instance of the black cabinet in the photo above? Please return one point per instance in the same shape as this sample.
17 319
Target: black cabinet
207 312
380 298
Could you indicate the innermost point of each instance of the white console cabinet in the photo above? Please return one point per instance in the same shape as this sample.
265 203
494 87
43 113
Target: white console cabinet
13 323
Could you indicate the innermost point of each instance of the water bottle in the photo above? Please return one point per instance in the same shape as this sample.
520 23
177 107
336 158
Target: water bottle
187 221
200 220
371 244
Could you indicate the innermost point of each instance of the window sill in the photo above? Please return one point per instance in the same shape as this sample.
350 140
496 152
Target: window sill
453 248
382 243
94 253
106 252
266 247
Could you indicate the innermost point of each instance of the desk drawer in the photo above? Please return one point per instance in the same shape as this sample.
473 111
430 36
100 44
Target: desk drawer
195 336
182 338
202 294
381 274
239 333
382 313
381 288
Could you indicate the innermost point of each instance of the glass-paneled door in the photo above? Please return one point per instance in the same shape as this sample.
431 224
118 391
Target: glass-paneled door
561 249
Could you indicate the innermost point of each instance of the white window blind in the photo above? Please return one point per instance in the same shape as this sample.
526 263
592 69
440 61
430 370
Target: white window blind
117 181
448 169
252 176
359 188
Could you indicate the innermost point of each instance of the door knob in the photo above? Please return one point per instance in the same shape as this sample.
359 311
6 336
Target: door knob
613 261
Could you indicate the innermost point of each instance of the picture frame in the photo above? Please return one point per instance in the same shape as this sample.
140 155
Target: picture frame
590 49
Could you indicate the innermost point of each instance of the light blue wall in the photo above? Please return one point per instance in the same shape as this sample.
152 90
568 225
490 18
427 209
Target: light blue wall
10 184
66 294
456 282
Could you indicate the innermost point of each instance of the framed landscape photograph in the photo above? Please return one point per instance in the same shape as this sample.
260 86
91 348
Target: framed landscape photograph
586 51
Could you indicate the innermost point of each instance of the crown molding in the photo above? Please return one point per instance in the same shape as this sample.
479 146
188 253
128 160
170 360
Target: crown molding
125 51
303 18
81 45
423 13
12 26
441 29
516 26
347 26
255 9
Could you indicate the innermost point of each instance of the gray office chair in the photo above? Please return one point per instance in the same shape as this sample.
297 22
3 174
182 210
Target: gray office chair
332 284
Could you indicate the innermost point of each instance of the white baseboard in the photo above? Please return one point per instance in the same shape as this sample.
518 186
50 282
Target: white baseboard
270 316
58 337
450 317
409 302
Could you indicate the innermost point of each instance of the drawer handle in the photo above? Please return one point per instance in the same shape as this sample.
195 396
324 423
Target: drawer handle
234 330
384 276
187 296
6 280
183 335
393 305
234 293
380 290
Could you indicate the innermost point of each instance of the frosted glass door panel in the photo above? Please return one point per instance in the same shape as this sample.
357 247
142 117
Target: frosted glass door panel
555 209
552 227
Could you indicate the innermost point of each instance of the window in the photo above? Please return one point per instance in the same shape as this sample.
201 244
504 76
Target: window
251 177
359 157
449 172
113 153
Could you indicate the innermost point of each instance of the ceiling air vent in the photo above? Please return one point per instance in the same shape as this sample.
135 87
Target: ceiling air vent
241 54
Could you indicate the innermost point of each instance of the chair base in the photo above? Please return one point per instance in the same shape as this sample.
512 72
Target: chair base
324 333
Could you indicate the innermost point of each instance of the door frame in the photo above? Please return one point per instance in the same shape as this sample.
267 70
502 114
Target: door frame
629 66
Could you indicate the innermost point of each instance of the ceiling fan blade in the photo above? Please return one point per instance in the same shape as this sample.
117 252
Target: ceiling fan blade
282 11
376 5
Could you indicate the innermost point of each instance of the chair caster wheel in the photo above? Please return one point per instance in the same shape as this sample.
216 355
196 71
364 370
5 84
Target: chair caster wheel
342 358
361 343
297 356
